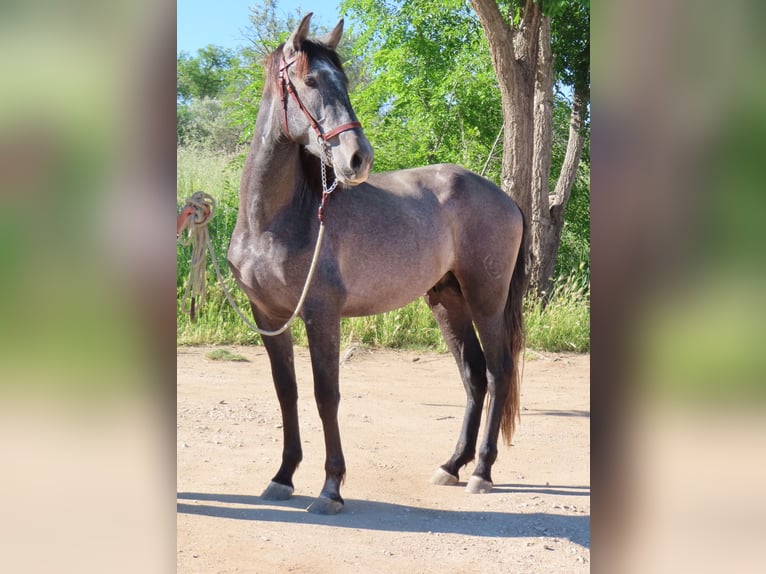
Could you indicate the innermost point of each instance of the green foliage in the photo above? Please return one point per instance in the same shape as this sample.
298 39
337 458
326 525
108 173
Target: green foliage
561 325
562 321
570 43
574 249
427 93
423 86
204 123
204 75
201 84
198 169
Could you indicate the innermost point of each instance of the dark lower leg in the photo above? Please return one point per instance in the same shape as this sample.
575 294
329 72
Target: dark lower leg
324 346
280 351
498 389
454 319
473 373
335 464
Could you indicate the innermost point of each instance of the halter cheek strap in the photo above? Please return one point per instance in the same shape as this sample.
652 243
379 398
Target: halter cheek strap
286 89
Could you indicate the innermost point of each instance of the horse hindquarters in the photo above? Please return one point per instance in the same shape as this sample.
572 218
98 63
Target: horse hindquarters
485 290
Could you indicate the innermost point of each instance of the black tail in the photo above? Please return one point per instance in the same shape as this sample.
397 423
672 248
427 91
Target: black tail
514 322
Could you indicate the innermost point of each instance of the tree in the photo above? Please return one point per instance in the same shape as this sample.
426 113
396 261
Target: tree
203 122
204 75
518 33
427 91
201 83
567 36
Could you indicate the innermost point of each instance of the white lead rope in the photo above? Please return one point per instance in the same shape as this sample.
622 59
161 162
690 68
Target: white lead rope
309 277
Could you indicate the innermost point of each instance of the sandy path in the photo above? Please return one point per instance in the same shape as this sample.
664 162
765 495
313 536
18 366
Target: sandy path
400 416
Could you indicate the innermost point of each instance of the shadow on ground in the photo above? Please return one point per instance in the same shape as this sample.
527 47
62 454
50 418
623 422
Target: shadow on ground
384 516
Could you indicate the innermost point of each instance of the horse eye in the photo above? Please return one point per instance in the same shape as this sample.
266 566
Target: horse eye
310 81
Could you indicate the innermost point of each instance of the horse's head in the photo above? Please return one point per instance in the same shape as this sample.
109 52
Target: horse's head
316 109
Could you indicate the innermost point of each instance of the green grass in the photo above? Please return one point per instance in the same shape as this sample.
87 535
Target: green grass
564 323
226 355
561 325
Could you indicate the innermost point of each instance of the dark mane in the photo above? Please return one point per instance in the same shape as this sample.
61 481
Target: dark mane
309 51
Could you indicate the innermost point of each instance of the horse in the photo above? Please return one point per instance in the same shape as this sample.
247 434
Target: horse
437 231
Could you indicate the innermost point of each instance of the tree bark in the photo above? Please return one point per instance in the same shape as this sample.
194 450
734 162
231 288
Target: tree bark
541 230
523 63
563 190
513 48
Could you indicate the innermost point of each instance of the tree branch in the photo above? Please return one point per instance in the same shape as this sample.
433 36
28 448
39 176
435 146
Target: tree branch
574 150
495 26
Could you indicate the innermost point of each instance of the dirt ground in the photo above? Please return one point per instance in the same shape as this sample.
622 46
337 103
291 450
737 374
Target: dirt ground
400 416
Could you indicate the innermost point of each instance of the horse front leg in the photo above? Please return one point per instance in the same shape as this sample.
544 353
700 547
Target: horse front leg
323 332
280 351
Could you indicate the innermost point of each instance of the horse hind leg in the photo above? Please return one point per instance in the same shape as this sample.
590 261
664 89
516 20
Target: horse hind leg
453 316
500 372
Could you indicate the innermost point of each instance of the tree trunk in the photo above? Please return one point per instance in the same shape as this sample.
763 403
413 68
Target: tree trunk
560 198
523 63
541 230
513 48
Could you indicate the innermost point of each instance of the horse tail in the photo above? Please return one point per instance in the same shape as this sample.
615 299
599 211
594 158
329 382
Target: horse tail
514 322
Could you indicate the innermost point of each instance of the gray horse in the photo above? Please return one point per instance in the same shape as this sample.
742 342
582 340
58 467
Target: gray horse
439 230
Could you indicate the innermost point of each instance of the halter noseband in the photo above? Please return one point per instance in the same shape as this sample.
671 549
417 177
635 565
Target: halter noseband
287 89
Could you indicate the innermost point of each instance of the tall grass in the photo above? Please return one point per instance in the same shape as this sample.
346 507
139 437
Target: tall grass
562 321
563 324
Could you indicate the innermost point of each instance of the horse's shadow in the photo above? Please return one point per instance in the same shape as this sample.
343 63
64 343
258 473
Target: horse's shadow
385 516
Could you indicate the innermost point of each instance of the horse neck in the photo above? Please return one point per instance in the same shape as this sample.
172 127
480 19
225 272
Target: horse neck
272 176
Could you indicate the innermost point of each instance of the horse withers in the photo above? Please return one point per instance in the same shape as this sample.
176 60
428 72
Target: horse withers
391 237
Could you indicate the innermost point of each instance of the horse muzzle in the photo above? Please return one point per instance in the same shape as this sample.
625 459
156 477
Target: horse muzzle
352 158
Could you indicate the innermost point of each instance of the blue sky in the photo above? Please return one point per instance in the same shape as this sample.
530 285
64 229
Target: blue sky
221 22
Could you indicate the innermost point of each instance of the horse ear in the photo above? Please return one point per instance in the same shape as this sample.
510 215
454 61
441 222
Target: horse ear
332 39
295 40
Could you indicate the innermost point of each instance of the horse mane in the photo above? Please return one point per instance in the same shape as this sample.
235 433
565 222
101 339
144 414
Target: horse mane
310 50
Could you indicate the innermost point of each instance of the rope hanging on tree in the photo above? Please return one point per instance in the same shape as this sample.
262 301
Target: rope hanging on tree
194 217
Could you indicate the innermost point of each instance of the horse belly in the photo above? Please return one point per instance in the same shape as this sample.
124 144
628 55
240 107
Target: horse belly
377 285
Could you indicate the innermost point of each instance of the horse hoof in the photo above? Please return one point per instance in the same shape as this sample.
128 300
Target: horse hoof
276 491
324 505
443 478
477 485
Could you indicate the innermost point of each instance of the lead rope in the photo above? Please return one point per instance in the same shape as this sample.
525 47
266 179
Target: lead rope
200 238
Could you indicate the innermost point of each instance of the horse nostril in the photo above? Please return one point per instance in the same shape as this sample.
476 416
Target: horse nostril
356 162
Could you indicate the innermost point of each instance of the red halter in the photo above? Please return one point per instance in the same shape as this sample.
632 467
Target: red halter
286 89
